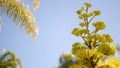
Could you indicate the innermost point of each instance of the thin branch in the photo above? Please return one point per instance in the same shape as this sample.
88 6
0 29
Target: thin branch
91 19
86 42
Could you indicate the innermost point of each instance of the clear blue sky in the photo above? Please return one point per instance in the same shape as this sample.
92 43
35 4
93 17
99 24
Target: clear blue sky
56 19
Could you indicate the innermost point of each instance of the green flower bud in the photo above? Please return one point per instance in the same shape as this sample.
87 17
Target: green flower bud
107 49
99 25
76 32
98 37
82 24
88 4
85 15
103 39
97 12
77 47
80 17
108 38
80 32
79 11
85 31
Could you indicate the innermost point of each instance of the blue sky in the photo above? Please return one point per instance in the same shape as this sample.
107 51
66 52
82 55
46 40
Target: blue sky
56 19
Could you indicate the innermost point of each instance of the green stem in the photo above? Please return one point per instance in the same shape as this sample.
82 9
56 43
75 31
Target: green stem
91 19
